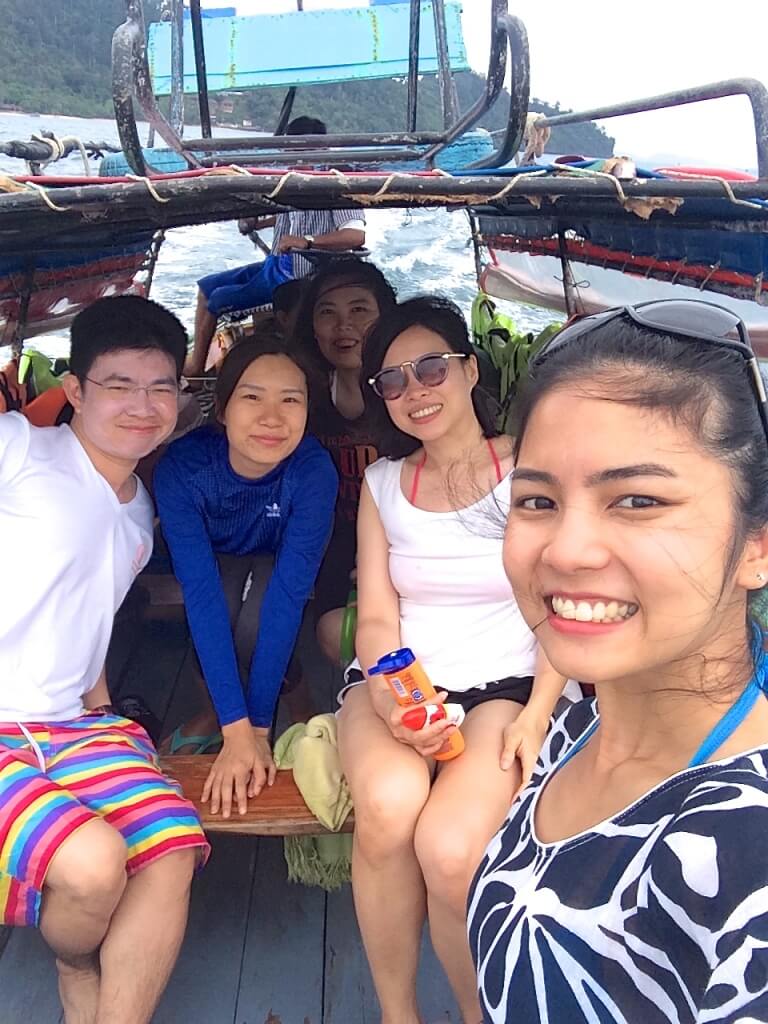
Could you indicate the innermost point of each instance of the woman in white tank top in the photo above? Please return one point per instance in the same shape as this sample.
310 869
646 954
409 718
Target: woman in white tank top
430 577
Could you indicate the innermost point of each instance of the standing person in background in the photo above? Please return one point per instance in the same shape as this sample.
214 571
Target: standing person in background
246 507
342 303
97 846
430 578
629 881
252 285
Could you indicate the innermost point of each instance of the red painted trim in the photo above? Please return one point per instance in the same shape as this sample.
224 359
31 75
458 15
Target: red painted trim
627 263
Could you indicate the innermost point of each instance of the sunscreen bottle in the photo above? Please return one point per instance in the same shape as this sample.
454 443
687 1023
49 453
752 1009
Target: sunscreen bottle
411 686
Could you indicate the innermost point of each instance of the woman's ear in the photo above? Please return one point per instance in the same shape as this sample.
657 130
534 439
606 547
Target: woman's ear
752 573
472 370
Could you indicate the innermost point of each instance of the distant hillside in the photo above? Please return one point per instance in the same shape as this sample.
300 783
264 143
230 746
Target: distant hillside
381 105
55 54
55 58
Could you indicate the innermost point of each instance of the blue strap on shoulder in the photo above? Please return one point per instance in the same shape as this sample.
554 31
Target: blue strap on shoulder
736 714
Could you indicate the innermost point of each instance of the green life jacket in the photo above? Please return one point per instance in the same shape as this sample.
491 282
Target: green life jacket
509 349
36 371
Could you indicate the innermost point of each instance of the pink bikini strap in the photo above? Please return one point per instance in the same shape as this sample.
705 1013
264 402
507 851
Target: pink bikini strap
416 475
496 463
420 466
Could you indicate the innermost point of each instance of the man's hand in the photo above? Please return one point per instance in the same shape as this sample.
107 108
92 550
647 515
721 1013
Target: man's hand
247 224
292 242
242 768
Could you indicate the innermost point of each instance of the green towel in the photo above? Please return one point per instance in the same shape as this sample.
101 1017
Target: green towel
311 751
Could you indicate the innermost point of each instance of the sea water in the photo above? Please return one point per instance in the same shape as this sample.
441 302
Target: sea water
419 250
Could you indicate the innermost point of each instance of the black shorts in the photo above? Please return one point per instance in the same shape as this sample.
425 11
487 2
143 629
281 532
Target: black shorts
516 688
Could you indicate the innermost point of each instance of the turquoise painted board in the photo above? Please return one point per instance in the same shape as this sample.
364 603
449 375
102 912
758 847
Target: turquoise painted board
306 48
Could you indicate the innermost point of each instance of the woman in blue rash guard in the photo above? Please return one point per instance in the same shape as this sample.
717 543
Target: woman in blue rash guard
246 507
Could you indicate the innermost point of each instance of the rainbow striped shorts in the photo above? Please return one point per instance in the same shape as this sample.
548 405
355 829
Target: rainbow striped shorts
96 766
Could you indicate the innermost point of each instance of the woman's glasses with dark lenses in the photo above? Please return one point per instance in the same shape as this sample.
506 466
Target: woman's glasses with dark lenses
429 370
685 319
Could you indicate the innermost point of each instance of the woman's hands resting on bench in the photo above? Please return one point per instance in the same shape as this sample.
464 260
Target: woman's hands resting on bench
242 768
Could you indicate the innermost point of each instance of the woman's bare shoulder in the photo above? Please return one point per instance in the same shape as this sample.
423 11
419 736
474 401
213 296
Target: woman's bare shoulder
504 446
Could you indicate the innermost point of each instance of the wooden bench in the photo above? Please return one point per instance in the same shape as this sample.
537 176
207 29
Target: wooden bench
279 810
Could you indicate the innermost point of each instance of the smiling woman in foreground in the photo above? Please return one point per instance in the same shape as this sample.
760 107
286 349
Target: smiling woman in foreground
629 882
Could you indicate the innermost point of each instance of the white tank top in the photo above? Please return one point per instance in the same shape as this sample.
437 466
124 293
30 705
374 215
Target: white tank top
457 610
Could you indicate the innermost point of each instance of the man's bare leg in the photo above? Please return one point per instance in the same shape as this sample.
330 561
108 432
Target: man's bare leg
205 328
144 939
85 881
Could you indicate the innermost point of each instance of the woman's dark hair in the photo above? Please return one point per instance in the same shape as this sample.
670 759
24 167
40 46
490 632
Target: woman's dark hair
703 387
340 273
288 295
240 357
437 314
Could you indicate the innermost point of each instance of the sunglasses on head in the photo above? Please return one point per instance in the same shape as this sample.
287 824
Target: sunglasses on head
683 319
429 370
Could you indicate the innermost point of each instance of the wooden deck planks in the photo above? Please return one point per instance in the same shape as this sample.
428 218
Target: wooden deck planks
258 950
349 994
28 986
205 984
349 991
282 974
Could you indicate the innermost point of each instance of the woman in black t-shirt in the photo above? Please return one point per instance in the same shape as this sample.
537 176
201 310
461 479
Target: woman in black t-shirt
341 304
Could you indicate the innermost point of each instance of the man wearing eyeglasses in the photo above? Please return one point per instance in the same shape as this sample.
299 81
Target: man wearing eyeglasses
97 847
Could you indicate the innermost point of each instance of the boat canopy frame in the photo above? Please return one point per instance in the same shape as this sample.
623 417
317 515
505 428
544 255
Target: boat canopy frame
508 49
131 79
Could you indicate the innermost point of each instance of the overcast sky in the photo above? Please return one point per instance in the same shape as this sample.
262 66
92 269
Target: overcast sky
599 52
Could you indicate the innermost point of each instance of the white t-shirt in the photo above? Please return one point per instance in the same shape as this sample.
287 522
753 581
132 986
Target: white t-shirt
457 609
69 553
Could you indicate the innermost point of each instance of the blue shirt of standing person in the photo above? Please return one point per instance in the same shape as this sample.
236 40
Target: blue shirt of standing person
257 486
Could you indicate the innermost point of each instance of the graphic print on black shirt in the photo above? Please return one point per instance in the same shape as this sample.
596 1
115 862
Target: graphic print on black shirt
352 449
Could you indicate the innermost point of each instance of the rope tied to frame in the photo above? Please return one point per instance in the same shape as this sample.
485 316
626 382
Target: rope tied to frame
43 193
58 148
535 137
686 175
150 187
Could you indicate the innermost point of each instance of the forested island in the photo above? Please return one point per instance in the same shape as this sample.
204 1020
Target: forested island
55 58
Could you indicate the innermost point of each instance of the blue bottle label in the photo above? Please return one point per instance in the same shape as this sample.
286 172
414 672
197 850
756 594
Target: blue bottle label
397 685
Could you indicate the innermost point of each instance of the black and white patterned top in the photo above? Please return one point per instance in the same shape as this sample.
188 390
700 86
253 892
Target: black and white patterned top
658 914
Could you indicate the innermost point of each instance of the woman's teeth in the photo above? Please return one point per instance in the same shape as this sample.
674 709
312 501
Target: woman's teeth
421 413
592 611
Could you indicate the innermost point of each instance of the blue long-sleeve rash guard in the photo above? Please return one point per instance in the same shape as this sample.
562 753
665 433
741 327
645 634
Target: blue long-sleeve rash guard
206 509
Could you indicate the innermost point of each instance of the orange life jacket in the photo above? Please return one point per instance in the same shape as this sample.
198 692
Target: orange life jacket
13 394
